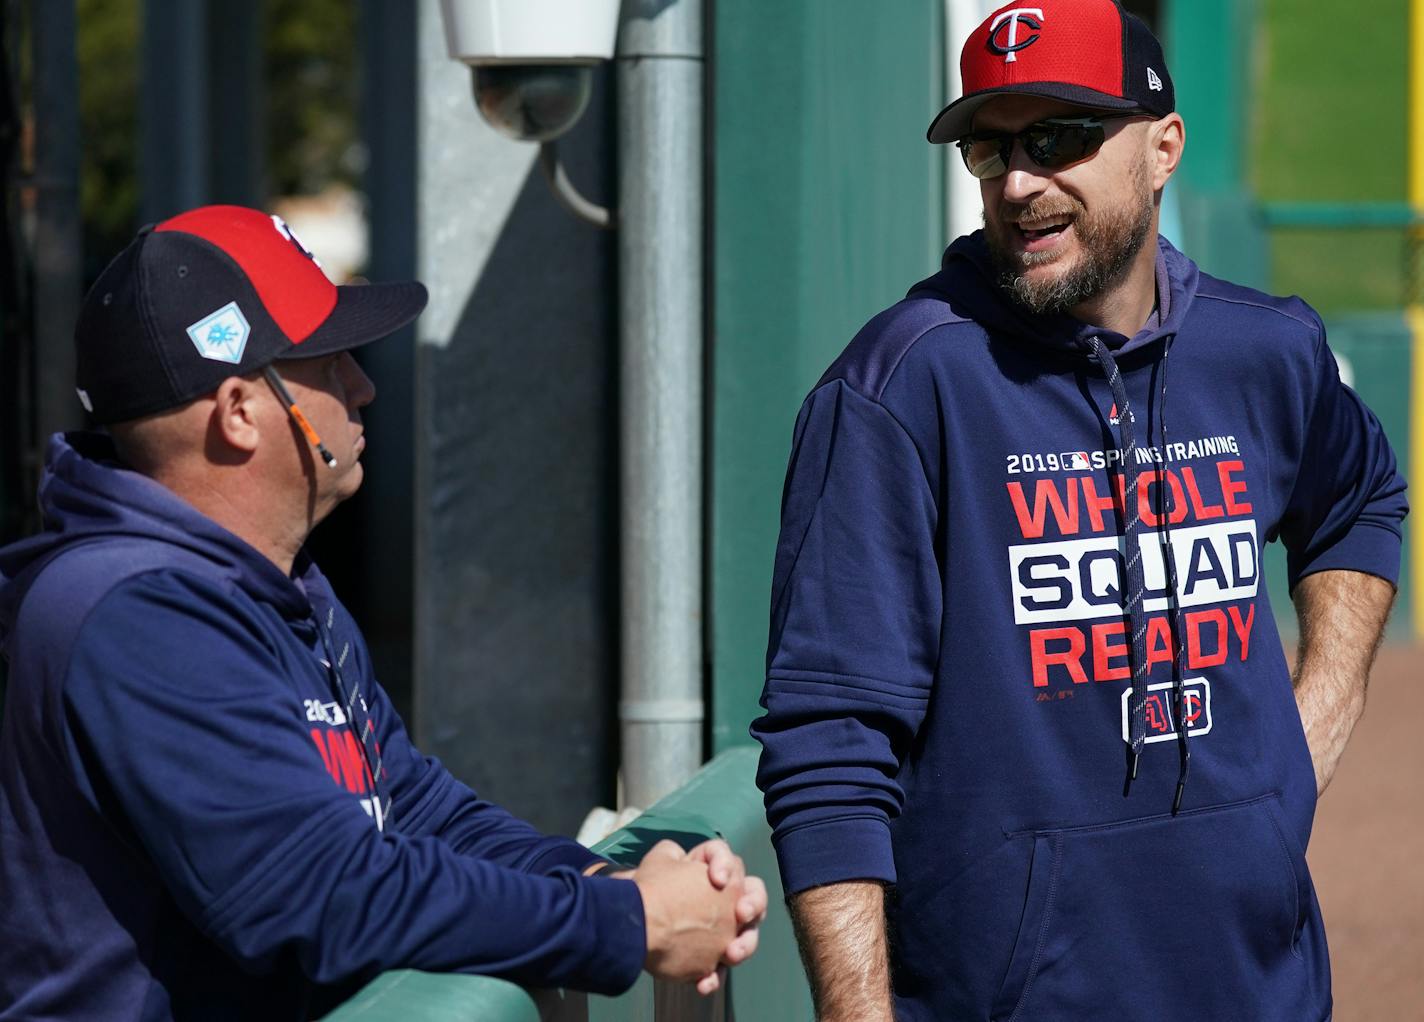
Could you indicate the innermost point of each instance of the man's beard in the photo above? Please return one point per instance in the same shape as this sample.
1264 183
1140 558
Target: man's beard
1108 242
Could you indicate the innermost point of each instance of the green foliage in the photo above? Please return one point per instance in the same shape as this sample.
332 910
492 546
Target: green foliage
1331 126
312 94
108 42
1332 122
311 65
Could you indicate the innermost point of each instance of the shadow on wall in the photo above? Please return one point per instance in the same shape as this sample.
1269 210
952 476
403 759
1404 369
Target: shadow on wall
516 440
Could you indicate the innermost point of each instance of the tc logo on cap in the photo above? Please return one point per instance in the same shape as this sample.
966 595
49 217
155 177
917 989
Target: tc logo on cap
221 335
1032 17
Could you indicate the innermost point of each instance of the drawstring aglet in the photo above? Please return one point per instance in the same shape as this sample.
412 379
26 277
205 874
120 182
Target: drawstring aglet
1184 755
1133 757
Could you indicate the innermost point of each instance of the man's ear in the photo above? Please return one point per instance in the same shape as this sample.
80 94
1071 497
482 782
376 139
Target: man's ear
236 414
1167 139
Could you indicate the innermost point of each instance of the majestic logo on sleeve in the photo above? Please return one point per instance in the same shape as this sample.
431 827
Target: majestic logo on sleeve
1007 25
1067 576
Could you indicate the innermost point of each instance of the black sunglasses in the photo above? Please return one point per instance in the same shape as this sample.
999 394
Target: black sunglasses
1052 143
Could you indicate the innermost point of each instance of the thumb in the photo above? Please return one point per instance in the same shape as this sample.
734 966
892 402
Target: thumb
665 850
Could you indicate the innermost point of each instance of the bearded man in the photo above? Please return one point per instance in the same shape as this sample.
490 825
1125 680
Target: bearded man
1027 711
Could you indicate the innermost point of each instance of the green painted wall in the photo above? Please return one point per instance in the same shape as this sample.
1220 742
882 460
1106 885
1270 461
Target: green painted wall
1208 46
827 205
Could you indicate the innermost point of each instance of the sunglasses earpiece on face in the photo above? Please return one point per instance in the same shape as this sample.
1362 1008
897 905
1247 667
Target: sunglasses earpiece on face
1052 144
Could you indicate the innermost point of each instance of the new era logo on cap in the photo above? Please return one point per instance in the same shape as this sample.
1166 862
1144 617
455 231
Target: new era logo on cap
221 335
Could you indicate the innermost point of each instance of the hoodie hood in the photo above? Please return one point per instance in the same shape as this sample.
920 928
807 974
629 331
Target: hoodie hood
86 495
968 281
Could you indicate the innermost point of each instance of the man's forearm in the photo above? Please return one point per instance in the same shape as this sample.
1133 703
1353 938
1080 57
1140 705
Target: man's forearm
1342 616
841 932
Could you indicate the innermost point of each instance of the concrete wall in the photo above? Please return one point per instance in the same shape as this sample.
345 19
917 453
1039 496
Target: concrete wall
514 457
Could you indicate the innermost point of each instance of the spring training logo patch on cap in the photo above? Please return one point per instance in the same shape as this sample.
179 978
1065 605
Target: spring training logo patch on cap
221 335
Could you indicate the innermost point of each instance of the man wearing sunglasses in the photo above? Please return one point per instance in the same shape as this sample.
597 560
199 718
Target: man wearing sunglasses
1031 747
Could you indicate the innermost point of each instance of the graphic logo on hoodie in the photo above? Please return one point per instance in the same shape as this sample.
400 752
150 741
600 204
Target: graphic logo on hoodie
1067 576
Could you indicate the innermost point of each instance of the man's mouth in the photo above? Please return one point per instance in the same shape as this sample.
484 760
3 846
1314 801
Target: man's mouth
1043 228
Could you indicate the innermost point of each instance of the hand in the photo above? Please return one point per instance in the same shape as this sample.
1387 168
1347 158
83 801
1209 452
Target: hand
690 923
725 867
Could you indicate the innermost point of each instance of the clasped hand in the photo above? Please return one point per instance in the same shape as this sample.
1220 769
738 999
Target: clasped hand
702 911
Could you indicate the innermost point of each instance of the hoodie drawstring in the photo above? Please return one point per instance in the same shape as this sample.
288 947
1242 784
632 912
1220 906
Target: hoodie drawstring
1134 576
1132 534
1169 560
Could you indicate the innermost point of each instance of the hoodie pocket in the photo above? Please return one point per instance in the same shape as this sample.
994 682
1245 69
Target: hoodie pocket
1196 916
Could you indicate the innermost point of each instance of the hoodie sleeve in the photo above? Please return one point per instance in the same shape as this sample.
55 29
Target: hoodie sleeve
179 715
854 638
1348 505
429 801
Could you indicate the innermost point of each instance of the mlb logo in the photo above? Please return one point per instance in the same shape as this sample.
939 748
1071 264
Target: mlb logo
221 335
1075 460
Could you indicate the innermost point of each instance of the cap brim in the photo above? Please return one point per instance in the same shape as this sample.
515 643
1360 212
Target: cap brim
363 313
957 120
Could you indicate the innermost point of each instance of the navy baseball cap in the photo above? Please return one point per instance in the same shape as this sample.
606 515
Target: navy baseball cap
215 292
1090 53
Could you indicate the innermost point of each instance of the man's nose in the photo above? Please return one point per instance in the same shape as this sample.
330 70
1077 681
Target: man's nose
1025 179
359 389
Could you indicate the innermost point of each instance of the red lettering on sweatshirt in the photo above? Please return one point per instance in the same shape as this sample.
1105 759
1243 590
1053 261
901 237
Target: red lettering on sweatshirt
1100 652
1242 627
1106 650
1045 496
1095 505
1177 512
1201 511
1074 504
1196 622
1233 488
342 758
1070 657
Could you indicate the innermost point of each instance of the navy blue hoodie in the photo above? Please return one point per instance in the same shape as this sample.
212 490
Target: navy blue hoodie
185 816
948 672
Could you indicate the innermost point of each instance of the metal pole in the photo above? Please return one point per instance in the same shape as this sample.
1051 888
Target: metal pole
57 231
173 113
660 259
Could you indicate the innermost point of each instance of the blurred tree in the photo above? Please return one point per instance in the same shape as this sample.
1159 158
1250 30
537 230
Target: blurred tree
108 118
311 66
312 89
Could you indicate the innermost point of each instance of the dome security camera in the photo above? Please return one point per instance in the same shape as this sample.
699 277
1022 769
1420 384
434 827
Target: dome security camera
531 60
532 102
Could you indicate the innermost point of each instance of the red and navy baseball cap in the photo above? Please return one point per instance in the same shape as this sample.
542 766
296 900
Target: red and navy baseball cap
215 292
1090 53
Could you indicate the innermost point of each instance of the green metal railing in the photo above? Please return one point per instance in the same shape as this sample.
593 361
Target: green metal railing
1341 215
722 799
